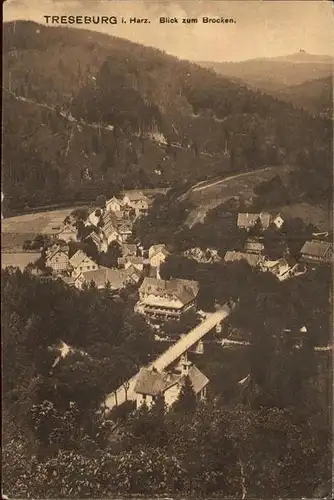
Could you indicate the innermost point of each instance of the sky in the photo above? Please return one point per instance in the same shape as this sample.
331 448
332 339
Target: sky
266 28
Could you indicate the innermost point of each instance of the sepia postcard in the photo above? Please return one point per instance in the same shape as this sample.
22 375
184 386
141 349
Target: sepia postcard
167 249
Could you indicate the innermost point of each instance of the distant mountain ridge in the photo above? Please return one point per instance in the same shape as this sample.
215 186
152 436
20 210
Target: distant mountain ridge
299 57
277 72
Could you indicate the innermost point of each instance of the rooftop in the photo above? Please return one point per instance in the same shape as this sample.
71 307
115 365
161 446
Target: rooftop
249 220
94 237
183 290
135 196
154 383
54 249
317 248
128 249
78 258
254 246
233 256
154 249
103 275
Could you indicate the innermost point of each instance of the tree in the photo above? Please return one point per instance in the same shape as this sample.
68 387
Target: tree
40 242
186 323
80 214
101 201
27 245
274 243
110 258
257 229
186 402
296 232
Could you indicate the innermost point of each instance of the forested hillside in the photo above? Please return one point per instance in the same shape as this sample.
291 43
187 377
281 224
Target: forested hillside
86 113
316 96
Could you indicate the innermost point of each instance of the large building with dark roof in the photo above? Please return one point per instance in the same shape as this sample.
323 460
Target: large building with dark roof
167 299
317 252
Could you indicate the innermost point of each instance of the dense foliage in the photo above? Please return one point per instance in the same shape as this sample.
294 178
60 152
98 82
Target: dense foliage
56 445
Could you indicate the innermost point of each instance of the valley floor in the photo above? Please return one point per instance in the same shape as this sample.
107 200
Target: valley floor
208 196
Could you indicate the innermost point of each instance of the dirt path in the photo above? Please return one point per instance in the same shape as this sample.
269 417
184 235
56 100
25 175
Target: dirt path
97 126
198 187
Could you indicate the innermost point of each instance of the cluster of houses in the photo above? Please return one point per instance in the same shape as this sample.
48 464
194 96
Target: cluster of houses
113 223
80 269
312 252
163 299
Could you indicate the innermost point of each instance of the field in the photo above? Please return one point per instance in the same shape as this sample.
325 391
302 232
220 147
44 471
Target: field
15 230
209 196
18 259
316 215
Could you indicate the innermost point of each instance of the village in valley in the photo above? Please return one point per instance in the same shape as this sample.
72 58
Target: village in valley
167 252
95 247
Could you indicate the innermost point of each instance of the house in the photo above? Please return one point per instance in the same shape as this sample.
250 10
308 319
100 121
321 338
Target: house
317 252
141 206
253 246
125 229
108 218
234 256
128 249
109 228
277 219
67 233
81 263
157 254
111 234
57 258
101 276
68 280
151 384
133 274
210 255
120 214
166 299
95 217
135 199
248 220
136 262
96 239
282 268
114 205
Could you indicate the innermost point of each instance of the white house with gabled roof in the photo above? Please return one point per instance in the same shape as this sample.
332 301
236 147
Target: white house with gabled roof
81 263
152 384
114 205
57 258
